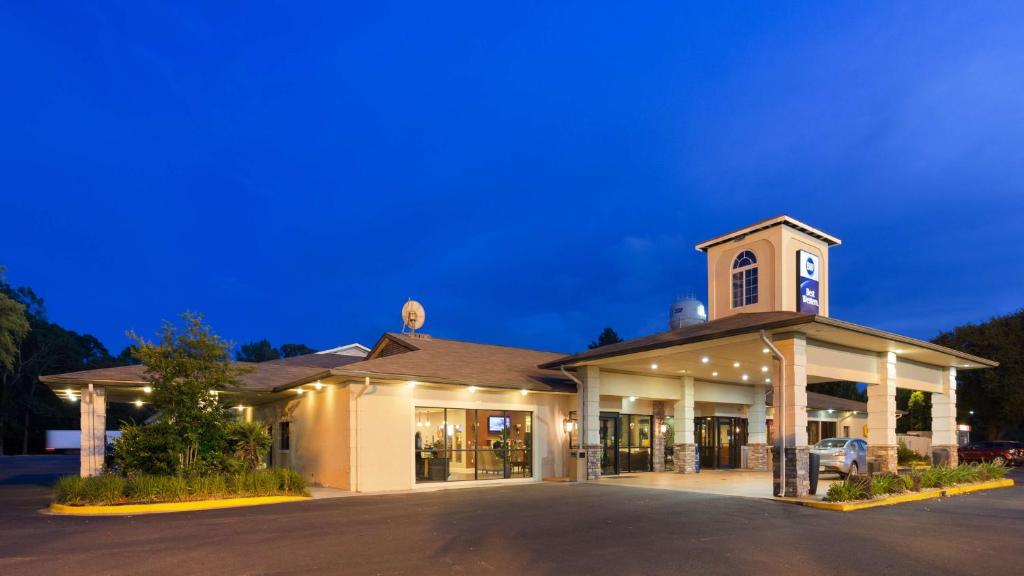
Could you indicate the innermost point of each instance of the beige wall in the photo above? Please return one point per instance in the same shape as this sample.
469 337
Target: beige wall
776 250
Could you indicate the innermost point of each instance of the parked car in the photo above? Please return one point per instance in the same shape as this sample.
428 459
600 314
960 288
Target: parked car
843 455
995 451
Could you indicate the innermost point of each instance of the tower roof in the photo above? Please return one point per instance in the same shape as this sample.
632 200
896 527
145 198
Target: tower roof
782 220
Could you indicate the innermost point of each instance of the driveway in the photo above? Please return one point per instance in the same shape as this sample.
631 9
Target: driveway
740 483
545 528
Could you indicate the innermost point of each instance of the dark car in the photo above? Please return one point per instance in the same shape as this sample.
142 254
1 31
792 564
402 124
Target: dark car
995 451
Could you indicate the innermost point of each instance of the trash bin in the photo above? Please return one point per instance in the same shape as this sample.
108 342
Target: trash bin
813 465
940 457
874 466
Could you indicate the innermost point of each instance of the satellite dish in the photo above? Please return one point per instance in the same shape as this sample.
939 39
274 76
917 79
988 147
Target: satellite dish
413 315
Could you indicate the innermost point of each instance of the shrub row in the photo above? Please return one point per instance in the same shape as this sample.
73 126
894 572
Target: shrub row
866 487
109 489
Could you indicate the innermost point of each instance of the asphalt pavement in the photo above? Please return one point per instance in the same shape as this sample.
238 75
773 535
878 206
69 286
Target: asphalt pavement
544 528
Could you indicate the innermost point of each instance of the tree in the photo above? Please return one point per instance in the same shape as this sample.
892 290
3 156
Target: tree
840 389
918 411
607 336
13 328
187 369
996 395
289 350
258 351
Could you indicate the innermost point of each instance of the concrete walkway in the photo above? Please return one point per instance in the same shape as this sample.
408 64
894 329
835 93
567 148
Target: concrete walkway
744 483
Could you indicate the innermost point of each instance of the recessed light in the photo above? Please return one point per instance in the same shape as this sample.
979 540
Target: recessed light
300 391
764 368
524 391
898 351
745 377
318 385
764 350
705 360
147 389
472 388
411 383
735 364
138 403
714 373
767 380
632 398
654 366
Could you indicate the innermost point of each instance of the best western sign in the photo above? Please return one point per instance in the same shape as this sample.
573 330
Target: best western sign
808 272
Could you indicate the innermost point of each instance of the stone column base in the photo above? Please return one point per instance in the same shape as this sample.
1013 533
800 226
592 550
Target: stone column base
757 457
684 457
797 481
593 461
886 456
951 456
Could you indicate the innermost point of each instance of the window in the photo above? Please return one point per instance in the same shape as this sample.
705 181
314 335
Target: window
846 431
466 444
286 440
744 279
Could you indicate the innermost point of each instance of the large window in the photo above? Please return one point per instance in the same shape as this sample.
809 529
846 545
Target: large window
285 429
460 444
744 279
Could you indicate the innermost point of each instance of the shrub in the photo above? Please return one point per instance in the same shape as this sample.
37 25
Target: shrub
290 481
145 450
852 488
905 455
883 484
248 442
70 490
990 471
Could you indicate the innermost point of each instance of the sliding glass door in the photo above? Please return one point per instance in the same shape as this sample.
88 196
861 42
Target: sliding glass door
464 444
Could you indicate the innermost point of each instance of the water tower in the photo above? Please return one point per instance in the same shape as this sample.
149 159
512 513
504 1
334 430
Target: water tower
686 311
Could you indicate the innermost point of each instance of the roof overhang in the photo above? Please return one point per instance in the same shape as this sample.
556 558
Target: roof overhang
769 223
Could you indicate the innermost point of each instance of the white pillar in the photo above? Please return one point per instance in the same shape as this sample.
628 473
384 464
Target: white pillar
944 434
757 431
588 408
882 414
94 430
791 405
683 452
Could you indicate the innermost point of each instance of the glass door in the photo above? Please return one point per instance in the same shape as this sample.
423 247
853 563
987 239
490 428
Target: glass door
634 443
725 442
609 429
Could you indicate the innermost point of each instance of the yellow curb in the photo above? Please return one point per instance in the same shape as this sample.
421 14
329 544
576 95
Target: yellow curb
902 498
163 507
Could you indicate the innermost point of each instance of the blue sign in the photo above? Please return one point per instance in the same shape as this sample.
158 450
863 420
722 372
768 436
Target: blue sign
808 273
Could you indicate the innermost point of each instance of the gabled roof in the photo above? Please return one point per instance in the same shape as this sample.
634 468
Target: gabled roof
782 220
438 360
316 360
752 322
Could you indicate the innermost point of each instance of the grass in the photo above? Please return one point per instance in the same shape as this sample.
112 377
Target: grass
112 489
881 485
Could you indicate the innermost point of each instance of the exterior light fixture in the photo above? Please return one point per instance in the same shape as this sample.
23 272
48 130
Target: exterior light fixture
663 427
300 391
830 410
764 368
705 360
319 385
472 389
147 389
898 351
654 366
745 377
735 364
524 391
138 403
239 407
971 412
411 383
568 425
70 393
764 350
714 373
767 380
632 398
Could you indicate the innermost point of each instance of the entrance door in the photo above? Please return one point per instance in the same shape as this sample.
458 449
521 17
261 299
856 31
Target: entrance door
609 429
720 440
725 442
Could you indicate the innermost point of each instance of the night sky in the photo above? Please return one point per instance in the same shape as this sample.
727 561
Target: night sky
531 172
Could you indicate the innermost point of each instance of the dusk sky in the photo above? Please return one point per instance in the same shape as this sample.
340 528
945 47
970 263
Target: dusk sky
531 172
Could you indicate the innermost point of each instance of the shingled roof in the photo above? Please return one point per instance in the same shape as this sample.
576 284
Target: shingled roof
403 357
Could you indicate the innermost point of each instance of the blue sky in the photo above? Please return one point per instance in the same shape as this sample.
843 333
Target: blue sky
530 172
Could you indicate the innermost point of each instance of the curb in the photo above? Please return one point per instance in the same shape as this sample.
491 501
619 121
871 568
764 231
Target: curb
903 498
165 507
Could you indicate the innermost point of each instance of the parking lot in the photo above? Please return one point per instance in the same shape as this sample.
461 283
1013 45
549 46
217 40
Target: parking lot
545 528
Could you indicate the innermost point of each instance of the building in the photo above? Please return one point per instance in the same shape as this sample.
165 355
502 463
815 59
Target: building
420 410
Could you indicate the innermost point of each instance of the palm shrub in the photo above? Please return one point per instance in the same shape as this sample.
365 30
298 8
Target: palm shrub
883 484
852 488
248 443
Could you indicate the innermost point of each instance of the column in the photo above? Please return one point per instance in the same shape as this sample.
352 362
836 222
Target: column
882 444
589 410
944 434
791 411
683 451
658 446
93 407
757 431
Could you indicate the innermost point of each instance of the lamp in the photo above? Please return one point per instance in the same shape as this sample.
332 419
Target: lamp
663 427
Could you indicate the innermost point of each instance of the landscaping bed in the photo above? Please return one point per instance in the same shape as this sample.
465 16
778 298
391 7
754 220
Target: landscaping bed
116 490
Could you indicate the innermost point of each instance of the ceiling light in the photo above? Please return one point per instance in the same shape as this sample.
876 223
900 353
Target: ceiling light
735 364
300 391
147 389
714 373
764 350
411 383
967 365
745 377
239 407
138 403
898 351
764 368
705 360
767 380
632 398
654 366
524 391
472 388
830 410
318 385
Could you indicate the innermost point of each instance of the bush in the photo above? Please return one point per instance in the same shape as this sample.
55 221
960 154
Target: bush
884 484
852 488
144 450
905 455
108 489
248 443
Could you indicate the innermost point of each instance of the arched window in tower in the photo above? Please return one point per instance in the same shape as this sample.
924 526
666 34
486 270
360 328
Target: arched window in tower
744 279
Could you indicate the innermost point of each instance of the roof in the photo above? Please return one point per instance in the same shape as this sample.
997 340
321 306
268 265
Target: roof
819 401
746 323
264 376
445 361
352 349
782 220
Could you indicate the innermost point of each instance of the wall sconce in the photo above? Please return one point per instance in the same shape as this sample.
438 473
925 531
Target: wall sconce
663 427
569 425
